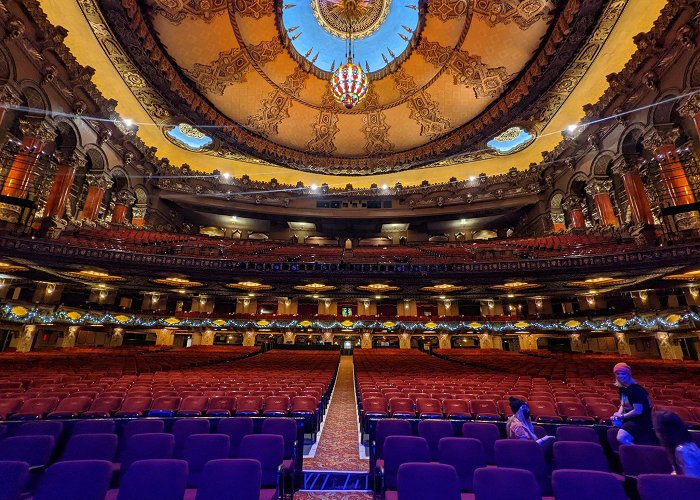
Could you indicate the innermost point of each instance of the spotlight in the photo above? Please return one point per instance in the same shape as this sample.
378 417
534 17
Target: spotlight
472 178
384 187
234 218
571 128
226 175
314 187
128 122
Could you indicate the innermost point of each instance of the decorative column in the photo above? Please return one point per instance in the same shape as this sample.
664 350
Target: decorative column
288 337
69 337
26 338
36 135
405 340
249 339
9 96
527 341
574 208
97 185
490 341
165 337
207 337
138 214
366 340
327 337
637 196
62 183
675 187
666 347
117 337
445 341
124 200
623 344
599 190
576 342
690 108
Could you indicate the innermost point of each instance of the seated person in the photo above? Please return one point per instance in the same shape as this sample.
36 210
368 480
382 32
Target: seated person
634 415
674 436
519 426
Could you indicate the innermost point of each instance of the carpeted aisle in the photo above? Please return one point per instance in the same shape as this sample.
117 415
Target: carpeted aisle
338 448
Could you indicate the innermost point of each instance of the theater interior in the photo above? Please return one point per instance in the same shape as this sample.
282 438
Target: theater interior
283 249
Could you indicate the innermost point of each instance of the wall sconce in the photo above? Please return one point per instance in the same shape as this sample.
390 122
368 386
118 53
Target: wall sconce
327 303
643 296
246 302
202 301
50 288
366 304
103 294
693 292
590 300
491 304
448 304
287 302
155 298
538 303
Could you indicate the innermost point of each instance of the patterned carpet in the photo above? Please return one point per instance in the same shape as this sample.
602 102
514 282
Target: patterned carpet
322 495
338 449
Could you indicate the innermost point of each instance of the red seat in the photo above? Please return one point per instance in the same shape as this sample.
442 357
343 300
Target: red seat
103 407
543 411
428 408
164 406
457 408
276 406
601 411
374 407
249 405
574 413
71 407
221 406
401 408
9 406
485 410
36 408
193 406
134 406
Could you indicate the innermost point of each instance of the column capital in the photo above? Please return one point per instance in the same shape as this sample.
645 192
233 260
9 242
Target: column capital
101 180
37 129
572 203
138 211
75 158
622 166
657 137
10 95
598 186
125 198
690 106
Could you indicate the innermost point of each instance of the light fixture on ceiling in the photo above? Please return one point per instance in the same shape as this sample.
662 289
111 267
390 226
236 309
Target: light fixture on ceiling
572 128
128 122
349 84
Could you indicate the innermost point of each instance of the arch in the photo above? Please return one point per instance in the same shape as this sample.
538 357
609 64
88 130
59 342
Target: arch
96 159
577 184
141 195
601 164
439 238
67 137
693 74
120 179
484 234
35 98
630 144
661 114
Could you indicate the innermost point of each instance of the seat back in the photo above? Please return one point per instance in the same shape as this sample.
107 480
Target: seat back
465 455
420 481
249 405
655 486
14 476
456 408
218 476
200 449
146 426
147 447
499 483
84 479
268 449
487 433
304 404
587 485
433 431
401 406
77 404
285 427
185 427
194 404
235 428
389 427
527 455
94 427
150 479
577 433
34 450
639 459
91 447
136 404
429 406
43 428
399 450
580 455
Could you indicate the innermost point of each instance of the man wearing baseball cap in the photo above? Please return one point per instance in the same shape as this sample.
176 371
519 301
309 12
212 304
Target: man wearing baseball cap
634 415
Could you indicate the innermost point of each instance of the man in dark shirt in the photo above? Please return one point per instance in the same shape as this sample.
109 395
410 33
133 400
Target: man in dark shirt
634 415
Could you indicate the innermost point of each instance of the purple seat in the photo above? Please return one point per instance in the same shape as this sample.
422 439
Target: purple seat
43 428
655 486
385 428
91 447
94 427
184 428
433 431
611 436
14 476
587 485
485 432
152 480
268 449
579 455
501 483
285 427
147 447
465 455
399 450
34 450
577 433
200 449
235 428
84 479
218 476
421 481
146 426
527 455
639 459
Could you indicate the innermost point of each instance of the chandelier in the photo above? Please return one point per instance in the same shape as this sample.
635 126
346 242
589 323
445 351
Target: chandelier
349 83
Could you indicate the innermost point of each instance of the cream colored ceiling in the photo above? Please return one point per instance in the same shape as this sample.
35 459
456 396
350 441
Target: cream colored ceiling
196 41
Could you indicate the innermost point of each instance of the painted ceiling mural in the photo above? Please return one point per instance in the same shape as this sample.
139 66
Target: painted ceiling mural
447 77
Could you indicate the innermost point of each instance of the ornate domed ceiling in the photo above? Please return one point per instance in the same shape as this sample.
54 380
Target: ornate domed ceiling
451 81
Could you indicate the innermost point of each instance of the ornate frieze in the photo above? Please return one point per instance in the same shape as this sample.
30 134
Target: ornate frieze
176 11
524 13
325 128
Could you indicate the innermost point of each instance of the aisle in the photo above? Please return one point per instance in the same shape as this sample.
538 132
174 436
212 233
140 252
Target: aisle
338 448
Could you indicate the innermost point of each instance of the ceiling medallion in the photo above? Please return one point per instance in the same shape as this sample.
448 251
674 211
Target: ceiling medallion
315 288
178 282
687 276
367 15
349 83
515 286
378 288
92 275
249 286
596 282
443 288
